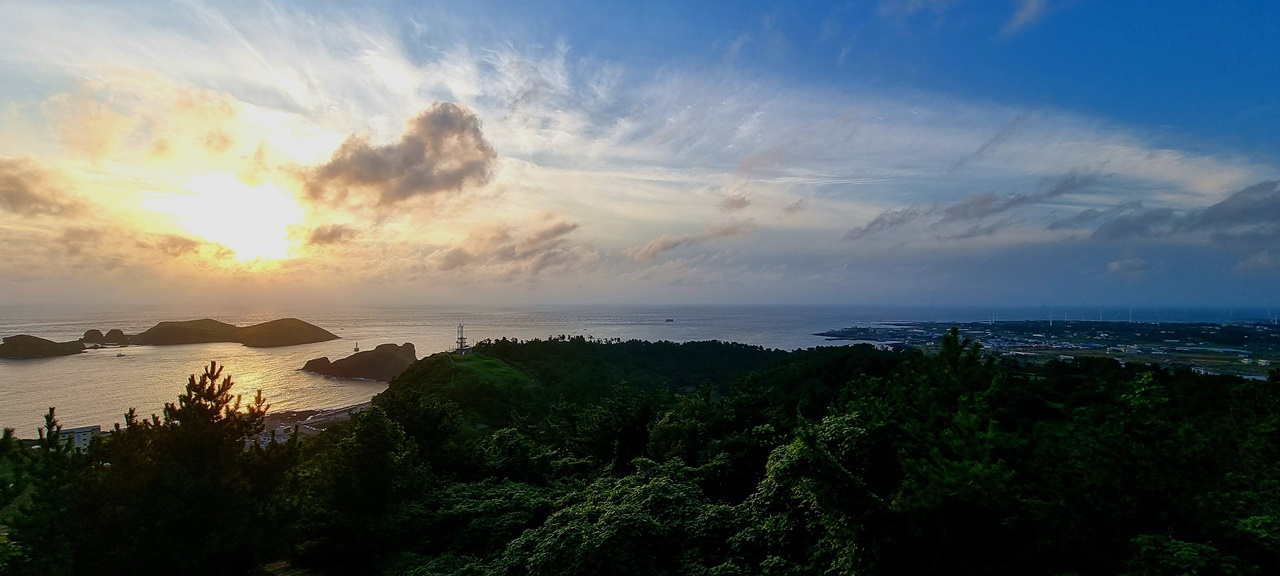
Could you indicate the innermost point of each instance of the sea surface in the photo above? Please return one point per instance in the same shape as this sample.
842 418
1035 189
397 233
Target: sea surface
99 386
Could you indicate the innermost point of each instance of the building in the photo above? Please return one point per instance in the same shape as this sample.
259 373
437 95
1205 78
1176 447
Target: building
79 438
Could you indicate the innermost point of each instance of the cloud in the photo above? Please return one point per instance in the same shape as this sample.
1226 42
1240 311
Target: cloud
974 208
1258 204
997 139
27 190
1029 12
979 230
734 203
175 245
441 150
796 207
1145 223
1247 221
1259 261
1091 215
330 234
507 250
901 8
888 220
1250 215
1127 267
982 205
88 126
669 242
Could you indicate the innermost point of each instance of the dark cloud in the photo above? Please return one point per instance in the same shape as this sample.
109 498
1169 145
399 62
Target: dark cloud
27 190
888 220
1256 205
974 209
668 242
986 204
796 207
174 245
330 234
997 139
508 250
1148 223
979 229
734 203
1247 216
442 150
1090 215
76 240
546 239
1246 221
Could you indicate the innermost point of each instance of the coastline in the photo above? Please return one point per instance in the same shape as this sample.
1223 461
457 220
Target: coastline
308 421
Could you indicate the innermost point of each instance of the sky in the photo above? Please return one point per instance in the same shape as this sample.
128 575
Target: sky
941 152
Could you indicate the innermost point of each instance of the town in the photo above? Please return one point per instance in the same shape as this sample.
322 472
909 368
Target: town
1244 349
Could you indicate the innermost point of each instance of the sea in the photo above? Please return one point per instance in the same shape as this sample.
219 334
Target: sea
98 387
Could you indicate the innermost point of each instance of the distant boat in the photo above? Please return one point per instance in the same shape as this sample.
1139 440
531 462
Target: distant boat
119 354
671 319
357 346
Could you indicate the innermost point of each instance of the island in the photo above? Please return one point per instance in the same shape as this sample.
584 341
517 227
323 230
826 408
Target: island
382 363
24 346
276 333
282 332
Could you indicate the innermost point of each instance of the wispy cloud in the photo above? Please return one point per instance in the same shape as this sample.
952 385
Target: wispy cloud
668 242
1029 12
634 162
1127 267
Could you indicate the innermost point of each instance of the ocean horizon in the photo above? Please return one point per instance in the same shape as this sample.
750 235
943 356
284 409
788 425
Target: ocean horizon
98 386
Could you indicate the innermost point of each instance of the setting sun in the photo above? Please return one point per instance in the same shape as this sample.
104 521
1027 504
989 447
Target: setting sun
252 221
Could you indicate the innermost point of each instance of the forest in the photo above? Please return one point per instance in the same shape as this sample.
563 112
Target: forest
575 456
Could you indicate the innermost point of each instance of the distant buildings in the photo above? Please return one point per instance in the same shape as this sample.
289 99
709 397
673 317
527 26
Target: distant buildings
79 438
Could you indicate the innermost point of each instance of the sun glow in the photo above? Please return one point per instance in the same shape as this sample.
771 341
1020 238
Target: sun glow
252 221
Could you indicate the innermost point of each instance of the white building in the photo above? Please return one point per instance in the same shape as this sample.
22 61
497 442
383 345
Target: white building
79 438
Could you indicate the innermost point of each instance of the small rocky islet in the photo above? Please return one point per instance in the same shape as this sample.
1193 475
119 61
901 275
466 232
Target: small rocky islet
383 363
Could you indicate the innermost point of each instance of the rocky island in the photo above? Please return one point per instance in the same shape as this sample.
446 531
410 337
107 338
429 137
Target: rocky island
382 363
282 332
24 346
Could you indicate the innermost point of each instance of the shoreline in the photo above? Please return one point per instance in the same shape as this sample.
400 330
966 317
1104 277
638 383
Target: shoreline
309 421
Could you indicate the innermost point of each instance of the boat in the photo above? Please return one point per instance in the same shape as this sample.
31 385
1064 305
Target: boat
119 354
671 319
357 346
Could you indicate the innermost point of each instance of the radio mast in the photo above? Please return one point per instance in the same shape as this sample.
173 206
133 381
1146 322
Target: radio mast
462 341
